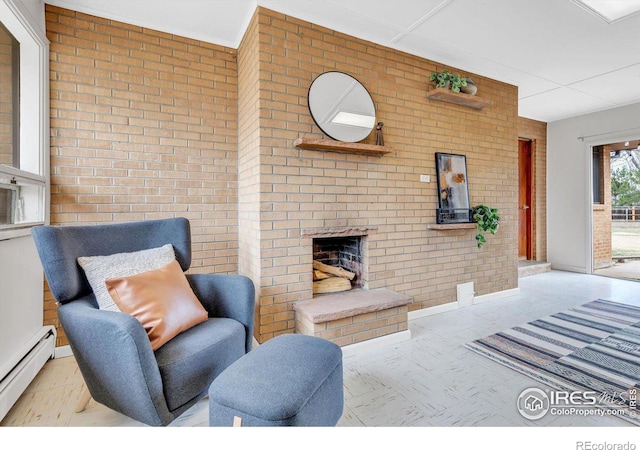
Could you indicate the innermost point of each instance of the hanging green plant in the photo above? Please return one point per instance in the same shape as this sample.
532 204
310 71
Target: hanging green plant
487 221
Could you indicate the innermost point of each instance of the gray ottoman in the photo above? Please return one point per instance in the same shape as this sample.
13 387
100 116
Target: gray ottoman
290 380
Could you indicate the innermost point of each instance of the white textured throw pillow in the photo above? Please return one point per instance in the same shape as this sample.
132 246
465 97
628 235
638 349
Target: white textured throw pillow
99 268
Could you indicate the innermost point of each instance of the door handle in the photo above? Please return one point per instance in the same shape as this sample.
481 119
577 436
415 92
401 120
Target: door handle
525 206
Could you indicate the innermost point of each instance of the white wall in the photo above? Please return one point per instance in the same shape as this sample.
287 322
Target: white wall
21 308
569 203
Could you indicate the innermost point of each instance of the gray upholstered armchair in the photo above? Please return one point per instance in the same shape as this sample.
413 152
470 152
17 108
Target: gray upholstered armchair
113 350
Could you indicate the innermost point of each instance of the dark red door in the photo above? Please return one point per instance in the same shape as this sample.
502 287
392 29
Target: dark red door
524 200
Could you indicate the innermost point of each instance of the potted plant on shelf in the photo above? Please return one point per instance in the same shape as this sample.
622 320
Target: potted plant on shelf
448 80
470 88
487 221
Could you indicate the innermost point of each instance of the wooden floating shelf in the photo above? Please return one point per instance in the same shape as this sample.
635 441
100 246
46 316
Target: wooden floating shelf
451 226
344 147
461 99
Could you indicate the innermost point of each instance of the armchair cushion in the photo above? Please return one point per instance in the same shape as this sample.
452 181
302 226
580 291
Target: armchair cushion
189 362
98 268
162 300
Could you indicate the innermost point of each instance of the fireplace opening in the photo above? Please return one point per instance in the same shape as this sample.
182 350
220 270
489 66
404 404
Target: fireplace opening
343 253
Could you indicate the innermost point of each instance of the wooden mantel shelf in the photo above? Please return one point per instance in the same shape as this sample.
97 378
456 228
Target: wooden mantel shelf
451 226
338 146
470 101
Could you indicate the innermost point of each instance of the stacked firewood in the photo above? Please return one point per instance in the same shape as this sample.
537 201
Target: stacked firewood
330 279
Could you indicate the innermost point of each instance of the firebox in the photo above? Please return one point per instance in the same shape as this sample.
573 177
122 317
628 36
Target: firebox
341 252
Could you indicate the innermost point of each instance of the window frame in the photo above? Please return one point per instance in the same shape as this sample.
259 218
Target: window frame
31 155
15 81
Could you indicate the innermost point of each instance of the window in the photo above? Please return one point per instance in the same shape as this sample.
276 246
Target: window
9 98
598 179
23 122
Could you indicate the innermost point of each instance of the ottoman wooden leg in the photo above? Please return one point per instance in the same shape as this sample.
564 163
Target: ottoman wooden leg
84 399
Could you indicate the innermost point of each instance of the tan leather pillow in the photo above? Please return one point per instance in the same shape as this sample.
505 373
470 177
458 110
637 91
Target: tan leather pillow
160 299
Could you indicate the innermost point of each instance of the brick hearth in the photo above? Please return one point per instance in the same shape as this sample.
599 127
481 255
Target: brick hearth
353 316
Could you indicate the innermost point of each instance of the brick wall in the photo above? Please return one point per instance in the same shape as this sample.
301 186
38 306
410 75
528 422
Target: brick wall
307 189
147 124
537 132
143 126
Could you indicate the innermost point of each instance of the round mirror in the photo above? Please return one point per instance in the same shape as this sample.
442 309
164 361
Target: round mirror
341 107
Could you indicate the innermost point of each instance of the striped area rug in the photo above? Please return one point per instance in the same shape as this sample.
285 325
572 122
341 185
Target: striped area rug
594 347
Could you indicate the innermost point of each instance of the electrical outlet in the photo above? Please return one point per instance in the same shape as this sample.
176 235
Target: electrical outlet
425 178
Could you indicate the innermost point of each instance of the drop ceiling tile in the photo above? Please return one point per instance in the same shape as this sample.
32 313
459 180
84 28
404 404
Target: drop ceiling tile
337 17
388 13
559 104
621 86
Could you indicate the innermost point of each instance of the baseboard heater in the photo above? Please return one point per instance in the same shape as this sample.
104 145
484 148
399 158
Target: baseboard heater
37 352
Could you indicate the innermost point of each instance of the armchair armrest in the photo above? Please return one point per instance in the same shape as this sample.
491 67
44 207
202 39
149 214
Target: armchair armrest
115 357
231 296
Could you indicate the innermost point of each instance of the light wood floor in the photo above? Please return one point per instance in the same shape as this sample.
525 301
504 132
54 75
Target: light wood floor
429 381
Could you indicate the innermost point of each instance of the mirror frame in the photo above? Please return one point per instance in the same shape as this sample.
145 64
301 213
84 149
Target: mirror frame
322 124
